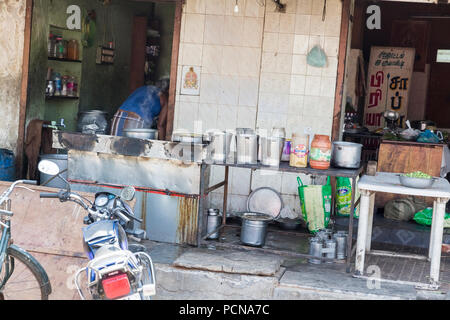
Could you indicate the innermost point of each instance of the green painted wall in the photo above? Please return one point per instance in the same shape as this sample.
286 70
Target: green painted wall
101 86
165 13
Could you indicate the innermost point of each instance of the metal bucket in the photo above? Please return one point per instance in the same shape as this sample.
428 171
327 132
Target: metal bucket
341 244
330 251
315 250
62 161
271 150
247 148
219 145
254 229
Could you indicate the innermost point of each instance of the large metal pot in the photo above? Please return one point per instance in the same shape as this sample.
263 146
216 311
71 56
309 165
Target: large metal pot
92 122
346 154
254 228
150 134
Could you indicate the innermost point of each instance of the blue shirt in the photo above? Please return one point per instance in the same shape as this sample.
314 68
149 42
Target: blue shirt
143 105
144 102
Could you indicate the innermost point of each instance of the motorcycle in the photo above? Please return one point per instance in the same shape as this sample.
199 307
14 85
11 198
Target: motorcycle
116 270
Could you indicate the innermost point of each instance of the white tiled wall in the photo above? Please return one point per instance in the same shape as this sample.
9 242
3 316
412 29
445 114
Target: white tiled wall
254 74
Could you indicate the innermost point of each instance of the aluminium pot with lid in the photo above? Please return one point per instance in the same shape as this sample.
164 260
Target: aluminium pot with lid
346 154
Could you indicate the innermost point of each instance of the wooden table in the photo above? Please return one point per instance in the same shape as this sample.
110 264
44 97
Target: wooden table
406 157
390 183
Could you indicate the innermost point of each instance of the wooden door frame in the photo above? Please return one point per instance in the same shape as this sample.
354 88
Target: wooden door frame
346 16
24 89
174 62
20 145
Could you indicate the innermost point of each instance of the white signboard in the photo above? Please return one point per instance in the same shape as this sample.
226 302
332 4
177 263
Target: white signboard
443 56
389 76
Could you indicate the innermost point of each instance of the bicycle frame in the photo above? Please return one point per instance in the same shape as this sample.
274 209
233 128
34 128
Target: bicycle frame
5 224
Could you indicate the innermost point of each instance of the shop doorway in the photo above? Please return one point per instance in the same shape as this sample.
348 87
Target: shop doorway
421 26
398 59
120 45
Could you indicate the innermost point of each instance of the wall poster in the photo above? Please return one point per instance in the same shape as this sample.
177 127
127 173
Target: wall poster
190 80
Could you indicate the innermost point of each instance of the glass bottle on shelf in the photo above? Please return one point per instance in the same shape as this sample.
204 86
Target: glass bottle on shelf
51 45
73 50
58 84
75 87
59 48
70 81
64 45
64 86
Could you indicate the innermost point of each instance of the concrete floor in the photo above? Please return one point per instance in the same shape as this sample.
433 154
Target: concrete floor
295 279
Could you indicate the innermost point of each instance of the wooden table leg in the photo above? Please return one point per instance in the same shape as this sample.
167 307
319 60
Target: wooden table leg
362 232
438 229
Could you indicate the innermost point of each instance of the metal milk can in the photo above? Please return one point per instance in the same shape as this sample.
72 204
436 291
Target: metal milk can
214 221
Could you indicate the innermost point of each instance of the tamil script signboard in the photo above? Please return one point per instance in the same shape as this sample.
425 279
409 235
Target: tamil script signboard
389 80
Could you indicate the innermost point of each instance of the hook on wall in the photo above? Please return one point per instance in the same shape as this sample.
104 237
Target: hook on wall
280 7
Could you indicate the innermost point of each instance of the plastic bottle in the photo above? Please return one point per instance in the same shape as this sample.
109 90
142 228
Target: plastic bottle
320 154
58 84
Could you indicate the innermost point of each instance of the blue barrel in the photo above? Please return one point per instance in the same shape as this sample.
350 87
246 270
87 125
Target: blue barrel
7 165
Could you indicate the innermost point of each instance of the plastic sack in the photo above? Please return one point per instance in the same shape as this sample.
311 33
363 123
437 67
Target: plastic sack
425 216
317 57
316 204
344 197
403 209
428 136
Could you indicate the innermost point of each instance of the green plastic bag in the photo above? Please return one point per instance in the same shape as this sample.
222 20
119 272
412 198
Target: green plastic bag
344 197
425 217
315 201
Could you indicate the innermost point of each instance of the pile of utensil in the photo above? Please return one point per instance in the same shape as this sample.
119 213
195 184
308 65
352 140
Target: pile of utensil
326 244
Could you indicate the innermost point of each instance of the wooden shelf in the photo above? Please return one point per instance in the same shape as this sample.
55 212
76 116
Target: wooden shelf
63 60
61 98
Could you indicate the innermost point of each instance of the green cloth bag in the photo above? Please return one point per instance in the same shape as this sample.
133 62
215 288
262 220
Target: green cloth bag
425 216
315 201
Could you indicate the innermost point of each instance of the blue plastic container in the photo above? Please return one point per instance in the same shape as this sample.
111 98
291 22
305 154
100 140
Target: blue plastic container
7 165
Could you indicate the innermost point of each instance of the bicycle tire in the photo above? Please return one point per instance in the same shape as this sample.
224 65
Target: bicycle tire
35 269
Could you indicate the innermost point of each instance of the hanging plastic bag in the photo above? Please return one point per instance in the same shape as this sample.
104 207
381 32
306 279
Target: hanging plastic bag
316 57
316 204
344 197
425 217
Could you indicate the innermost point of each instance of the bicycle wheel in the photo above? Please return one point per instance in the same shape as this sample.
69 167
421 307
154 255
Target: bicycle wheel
28 280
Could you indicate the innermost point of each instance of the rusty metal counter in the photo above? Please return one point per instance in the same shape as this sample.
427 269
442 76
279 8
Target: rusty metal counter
166 176
284 167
